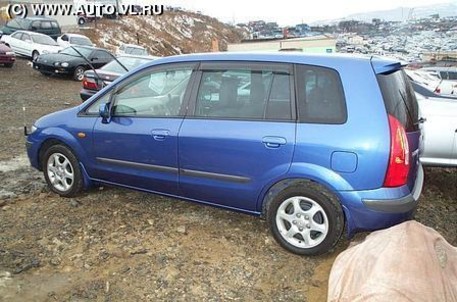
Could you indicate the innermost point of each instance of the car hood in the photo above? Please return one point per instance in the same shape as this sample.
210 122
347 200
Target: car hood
57 118
58 57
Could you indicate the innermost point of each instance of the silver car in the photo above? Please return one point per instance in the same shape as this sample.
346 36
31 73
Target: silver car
440 131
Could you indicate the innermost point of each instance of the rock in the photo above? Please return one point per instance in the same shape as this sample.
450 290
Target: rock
74 203
181 229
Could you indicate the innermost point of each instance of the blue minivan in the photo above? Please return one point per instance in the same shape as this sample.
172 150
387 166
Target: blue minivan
312 143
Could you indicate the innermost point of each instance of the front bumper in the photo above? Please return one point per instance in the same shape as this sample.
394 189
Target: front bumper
51 69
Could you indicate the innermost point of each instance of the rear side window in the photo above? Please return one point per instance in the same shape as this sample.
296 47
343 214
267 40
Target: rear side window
320 96
244 93
400 99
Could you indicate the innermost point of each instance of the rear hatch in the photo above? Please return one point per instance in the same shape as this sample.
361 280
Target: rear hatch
401 103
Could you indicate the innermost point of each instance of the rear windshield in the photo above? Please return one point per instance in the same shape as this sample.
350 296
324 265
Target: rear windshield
400 99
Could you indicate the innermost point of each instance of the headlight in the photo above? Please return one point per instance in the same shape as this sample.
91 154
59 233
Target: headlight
9 53
64 64
56 63
33 129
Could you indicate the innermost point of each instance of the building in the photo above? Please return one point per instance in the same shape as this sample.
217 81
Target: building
315 44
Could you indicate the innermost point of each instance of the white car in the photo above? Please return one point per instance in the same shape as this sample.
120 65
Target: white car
66 40
440 131
30 44
432 82
132 49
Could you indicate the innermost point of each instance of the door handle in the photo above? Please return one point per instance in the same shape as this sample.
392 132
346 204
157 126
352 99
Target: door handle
274 141
160 134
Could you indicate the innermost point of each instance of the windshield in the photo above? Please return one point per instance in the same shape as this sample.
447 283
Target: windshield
80 41
128 62
399 98
70 51
18 23
44 40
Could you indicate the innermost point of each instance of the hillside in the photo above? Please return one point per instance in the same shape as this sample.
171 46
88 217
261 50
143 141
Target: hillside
399 13
169 34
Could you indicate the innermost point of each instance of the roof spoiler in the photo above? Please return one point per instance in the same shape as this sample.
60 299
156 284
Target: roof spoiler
386 65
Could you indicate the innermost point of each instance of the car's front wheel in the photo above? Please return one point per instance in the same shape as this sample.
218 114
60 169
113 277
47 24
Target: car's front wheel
78 74
61 171
306 219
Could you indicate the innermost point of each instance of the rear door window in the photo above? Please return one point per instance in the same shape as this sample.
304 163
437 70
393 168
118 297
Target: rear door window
400 99
245 93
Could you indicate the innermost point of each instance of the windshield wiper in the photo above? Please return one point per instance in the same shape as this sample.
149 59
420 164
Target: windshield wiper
91 66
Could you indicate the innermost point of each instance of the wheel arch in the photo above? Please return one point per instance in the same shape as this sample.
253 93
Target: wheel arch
53 141
303 172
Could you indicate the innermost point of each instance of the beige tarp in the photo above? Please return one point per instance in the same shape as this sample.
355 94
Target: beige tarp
407 262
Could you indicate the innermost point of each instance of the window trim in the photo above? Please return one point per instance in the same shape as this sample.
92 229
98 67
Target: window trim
301 110
115 88
254 66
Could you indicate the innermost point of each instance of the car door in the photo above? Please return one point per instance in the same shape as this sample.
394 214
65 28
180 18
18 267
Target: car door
137 146
15 42
241 136
440 131
26 45
99 58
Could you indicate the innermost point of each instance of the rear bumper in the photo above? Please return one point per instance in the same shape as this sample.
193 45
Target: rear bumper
7 59
402 204
381 208
85 94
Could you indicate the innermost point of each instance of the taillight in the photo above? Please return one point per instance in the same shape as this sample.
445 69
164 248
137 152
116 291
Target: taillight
438 90
89 83
398 169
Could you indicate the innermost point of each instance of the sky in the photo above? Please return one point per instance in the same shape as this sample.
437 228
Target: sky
288 12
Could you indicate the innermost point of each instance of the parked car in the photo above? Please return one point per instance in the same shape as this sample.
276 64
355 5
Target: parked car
443 73
434 84
425 92
43 25
94 81
70 62
323 143
132 49
7 57
440 131
30 44
66 40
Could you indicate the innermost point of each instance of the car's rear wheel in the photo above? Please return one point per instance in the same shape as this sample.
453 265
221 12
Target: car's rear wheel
61 171
306 219
35 55
9 65
78 74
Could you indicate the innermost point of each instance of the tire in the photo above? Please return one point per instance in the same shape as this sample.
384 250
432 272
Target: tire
9 65
78 74
61 171
35 55
306 219
81 21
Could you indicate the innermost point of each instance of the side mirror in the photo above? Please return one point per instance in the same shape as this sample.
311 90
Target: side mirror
104 111
94 59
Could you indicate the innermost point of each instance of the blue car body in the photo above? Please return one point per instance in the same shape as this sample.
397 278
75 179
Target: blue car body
236 163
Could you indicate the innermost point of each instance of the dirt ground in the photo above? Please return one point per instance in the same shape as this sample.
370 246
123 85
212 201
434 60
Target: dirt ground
118 245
